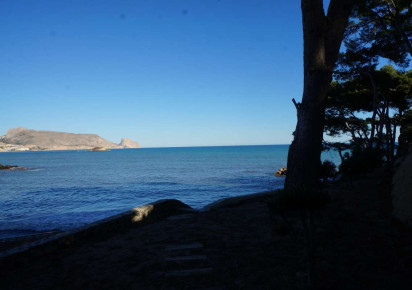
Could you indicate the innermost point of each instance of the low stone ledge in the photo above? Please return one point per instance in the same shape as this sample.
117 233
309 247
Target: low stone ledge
232 201
139 215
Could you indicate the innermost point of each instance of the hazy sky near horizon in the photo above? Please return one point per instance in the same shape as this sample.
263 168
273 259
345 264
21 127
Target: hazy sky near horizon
164 73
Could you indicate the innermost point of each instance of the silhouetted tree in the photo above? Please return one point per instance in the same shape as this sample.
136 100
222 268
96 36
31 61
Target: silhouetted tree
355 91
322 37
369 112
377 28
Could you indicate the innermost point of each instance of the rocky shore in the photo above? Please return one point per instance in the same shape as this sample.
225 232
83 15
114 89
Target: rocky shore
236 244
281 172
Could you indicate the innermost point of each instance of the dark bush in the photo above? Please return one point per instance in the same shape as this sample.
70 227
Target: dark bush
361 161
327 169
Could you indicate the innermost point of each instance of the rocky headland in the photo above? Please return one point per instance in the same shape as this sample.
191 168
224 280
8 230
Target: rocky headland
127 143
23 139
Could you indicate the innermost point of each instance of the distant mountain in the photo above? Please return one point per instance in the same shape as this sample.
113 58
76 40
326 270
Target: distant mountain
49 140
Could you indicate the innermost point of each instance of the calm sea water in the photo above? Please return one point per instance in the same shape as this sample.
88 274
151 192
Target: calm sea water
66 189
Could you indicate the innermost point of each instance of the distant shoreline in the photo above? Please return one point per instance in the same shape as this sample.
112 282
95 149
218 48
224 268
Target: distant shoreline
206 146
61 150
23 139
109 149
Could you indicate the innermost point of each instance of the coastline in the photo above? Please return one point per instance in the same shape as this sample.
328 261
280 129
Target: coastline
61 150
121 148
112 182
164 208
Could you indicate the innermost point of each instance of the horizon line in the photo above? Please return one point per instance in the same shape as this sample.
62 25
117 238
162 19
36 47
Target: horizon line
197 146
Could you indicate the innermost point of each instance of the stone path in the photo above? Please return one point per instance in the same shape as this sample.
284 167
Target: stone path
184 262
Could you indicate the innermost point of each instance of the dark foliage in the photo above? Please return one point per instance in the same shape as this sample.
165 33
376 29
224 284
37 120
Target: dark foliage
380 28
328 169
361 161
368 104
369 107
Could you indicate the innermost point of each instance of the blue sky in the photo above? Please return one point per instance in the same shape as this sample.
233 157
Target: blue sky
164 73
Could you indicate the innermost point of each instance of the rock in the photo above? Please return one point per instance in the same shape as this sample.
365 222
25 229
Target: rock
11 167
7 167
402 191
98 149
282 171
127 143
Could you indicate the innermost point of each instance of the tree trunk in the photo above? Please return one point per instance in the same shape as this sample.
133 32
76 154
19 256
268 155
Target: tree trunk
382 120
322 37
352 132
340 155
304 152
388 140
393 142
375 108
308 232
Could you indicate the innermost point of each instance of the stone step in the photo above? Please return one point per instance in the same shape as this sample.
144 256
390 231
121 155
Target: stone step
186 258
193 246
192 210
29 237
180 217
191 272
186 262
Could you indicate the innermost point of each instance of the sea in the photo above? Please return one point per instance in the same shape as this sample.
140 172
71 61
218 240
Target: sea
62 190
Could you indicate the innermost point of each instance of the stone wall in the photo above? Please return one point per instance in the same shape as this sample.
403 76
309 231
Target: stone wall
100 229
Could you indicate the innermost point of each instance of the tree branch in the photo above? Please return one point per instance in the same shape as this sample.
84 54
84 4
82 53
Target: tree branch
297 105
